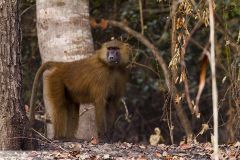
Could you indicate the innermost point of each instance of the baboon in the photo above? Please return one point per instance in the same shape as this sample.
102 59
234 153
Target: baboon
99 79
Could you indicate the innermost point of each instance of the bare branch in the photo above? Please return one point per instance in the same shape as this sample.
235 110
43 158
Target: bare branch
148 44
141 16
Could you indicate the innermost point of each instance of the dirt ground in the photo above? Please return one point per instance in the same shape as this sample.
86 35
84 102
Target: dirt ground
122 151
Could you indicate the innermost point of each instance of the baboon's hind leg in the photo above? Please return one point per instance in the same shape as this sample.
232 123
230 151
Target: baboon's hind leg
100 113
58 104
72 121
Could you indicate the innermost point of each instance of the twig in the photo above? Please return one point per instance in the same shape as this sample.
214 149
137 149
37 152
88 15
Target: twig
186 86
25 10
199 23
169 117
145 66
197 44
36 139
185 80
214 83
126 109
48 140
141 16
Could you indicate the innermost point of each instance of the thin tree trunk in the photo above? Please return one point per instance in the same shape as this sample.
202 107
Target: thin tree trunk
180 111
64 35
214 82
13 121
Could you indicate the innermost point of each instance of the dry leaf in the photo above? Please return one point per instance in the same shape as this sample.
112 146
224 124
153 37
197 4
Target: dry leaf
26 107
103 24
205 127
224 79
185 146
93 23
156 137
142 147
177 99
106 156
201 82
157 154
71 146
94 141
237 144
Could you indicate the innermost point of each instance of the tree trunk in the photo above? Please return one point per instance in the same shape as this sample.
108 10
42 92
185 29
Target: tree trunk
13 121
64 35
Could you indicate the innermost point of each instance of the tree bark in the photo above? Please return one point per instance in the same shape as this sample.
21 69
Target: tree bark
14 125
64 35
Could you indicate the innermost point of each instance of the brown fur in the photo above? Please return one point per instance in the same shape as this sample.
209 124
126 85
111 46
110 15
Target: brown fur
91 80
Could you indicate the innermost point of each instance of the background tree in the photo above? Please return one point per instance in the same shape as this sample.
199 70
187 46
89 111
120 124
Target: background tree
64 35
14 125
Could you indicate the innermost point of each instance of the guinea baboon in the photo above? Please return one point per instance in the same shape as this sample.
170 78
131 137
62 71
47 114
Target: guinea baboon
99 79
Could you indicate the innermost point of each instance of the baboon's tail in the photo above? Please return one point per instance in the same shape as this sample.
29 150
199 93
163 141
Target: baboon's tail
39 73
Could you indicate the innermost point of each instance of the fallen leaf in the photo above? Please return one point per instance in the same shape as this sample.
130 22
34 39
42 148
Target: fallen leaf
94 141
106 156
237 144
157 154
142 147
185 146
103 24
164 153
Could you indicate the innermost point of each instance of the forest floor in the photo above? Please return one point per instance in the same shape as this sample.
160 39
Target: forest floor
122 151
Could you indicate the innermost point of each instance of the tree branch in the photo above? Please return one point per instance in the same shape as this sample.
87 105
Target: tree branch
149 45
